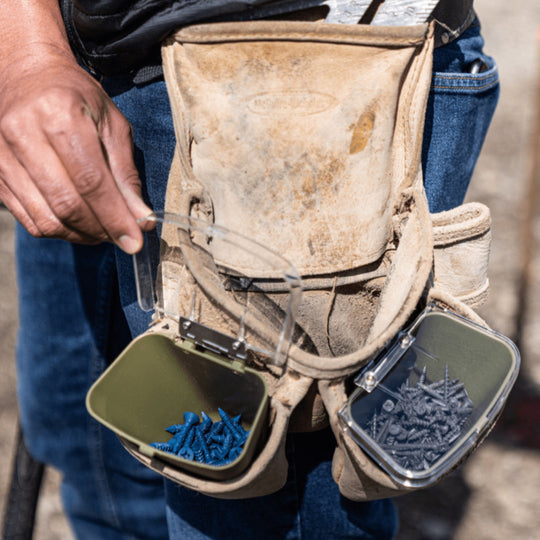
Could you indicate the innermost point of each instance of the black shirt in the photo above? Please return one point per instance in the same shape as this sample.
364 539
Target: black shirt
112 37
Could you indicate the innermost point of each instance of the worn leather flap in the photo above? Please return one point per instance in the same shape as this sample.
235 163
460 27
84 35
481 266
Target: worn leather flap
302 134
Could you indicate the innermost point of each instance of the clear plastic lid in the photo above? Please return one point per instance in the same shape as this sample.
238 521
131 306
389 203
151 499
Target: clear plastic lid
431 396
181 249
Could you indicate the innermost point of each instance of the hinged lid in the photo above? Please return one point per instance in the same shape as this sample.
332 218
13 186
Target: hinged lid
163 276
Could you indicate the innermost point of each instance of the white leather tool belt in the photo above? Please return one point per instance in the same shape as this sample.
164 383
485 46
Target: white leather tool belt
306 137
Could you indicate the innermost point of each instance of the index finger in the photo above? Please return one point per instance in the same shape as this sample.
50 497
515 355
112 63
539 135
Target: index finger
84 159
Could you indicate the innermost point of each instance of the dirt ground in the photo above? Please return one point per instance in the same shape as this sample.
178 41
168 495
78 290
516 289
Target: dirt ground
495 494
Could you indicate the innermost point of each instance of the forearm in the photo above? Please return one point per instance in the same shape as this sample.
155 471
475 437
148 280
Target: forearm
29 26
66 162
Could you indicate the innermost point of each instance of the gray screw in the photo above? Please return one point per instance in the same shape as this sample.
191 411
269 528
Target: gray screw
425 421
388 405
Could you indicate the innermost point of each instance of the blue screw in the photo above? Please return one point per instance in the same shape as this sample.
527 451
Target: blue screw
215 456
235 452
244 433
226 420
205 425
199 456
186 453
203 447
174 429
217 428
227 445
236 430
190 437
180 439
215 439
163 446
206 442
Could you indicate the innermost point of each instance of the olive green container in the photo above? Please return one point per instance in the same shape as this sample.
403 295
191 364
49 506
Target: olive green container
157 379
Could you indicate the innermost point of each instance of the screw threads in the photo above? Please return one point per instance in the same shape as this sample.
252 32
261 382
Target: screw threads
207 442
425 419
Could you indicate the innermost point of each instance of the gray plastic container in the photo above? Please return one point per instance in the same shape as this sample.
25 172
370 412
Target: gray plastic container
431 397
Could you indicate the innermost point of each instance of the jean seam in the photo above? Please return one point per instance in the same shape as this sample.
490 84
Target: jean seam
95 434
465 77
464 81
293 475
462 88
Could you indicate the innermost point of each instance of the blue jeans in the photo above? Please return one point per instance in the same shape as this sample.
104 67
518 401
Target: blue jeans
459 111
72 325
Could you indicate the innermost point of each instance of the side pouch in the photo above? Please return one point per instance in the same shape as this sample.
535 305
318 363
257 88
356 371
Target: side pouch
461 241
484 367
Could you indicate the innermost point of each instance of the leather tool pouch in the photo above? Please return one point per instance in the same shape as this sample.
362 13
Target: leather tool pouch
306 137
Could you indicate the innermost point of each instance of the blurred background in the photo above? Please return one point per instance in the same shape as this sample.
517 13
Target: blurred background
495 495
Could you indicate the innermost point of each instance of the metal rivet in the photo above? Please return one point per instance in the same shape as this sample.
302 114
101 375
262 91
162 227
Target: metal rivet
406 341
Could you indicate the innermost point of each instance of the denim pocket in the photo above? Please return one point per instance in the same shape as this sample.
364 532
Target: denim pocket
460 108
468 83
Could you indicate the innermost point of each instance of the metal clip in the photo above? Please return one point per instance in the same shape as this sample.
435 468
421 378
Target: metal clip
211 339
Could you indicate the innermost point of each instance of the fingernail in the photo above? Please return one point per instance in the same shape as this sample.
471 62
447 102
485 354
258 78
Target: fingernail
128 244
146 223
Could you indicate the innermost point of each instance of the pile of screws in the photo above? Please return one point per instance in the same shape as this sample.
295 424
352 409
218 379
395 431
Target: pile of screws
212 443
422 422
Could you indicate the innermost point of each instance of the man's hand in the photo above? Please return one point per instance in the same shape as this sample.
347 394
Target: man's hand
66 160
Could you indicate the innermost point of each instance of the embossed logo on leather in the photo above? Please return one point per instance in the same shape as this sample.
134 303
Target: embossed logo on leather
295 102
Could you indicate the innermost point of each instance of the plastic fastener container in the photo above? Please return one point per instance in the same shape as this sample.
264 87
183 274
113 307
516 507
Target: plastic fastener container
156 379
179 364
427 401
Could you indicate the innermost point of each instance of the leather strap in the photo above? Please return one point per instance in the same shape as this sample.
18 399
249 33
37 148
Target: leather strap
452 18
